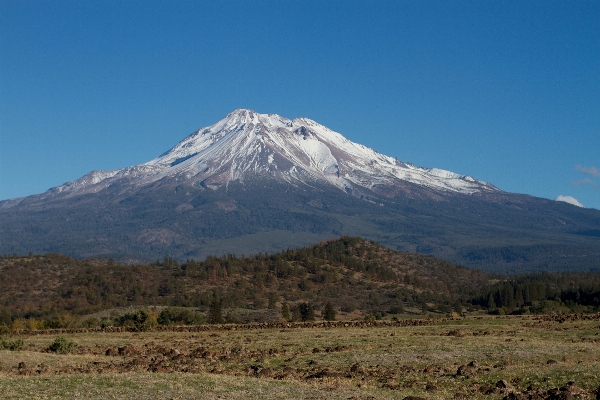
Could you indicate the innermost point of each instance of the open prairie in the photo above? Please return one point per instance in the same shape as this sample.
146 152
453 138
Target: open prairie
477 357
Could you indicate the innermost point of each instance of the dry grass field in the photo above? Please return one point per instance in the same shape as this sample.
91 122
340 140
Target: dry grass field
486 357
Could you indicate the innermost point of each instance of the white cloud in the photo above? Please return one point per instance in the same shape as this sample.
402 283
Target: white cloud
570 200
584 182
593 171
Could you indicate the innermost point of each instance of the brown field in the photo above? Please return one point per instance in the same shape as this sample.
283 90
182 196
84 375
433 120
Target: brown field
485 357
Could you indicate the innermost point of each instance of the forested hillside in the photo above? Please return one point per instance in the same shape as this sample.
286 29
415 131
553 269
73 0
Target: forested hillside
353 277
542 293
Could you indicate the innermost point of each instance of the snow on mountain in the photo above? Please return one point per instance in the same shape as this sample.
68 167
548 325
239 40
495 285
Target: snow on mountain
246 144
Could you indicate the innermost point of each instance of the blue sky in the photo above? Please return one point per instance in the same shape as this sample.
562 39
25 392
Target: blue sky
505 91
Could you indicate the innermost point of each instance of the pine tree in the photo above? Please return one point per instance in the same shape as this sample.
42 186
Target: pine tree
307 312
329 312
272 298
491 303
215 315
519 297
285 311
296 315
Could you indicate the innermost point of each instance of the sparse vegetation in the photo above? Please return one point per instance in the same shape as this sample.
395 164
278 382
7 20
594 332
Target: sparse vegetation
180 316
12 345
62 346
141 320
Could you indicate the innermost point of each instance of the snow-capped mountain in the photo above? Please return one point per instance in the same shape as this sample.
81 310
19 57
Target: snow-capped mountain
246 145
263 183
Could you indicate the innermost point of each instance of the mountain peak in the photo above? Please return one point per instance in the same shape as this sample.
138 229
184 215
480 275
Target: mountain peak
243 115
247 144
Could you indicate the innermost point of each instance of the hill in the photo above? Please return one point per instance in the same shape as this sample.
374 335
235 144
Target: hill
357 277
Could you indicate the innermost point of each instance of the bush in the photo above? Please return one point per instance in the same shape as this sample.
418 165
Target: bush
27 324
302 312
90 323
180 316
498 311
63 320
14 345
140 321
62 345
348 307
396 309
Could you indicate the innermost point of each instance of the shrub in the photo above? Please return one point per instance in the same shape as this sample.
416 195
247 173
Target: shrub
13 345
141 320
27 324
295 314
181 316
62 320
90 322
62 345
348 307
396 309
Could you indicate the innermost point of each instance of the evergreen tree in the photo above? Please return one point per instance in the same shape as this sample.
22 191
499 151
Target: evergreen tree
519 297
296 315
285 312
215 315
491 303
307 312
272 298
329 312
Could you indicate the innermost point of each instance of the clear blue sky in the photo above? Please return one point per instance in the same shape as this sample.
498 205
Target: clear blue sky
505 91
